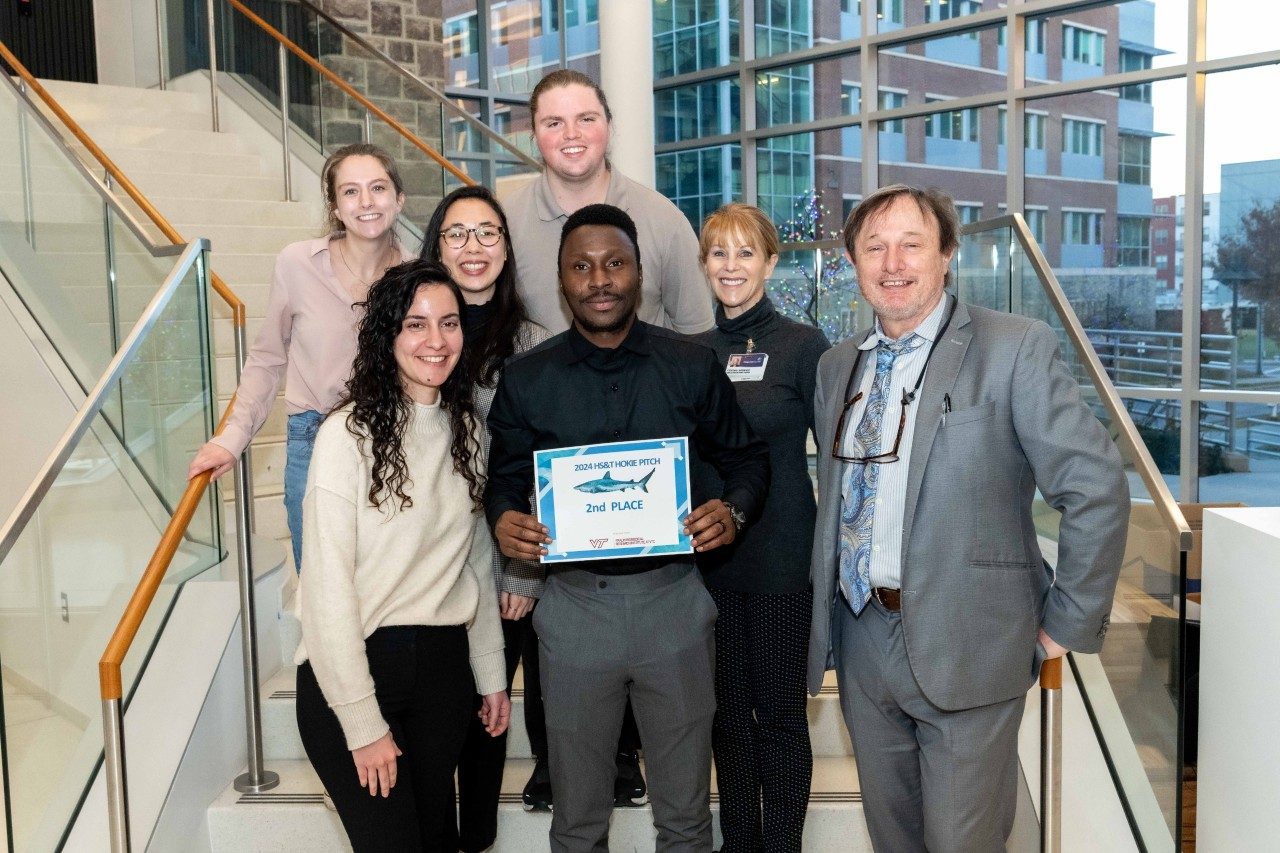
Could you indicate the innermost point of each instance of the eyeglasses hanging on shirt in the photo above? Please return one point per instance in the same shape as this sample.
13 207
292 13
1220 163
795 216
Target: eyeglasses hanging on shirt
908 397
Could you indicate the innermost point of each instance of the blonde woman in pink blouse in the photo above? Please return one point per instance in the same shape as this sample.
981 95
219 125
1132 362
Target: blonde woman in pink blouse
308 336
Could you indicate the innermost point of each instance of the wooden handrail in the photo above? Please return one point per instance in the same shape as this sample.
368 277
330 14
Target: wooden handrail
350 91
122 180
1051 674
109 682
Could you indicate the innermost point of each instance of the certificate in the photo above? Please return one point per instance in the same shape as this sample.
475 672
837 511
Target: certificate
608 501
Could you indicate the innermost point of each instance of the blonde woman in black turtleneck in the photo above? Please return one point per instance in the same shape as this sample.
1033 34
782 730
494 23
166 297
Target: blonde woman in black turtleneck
760 583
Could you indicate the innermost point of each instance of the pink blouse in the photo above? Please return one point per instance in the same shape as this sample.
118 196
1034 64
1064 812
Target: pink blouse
308 337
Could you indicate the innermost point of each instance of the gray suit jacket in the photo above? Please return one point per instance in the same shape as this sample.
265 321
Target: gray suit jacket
975 589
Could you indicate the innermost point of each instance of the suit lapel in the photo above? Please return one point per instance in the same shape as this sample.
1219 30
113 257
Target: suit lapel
939 379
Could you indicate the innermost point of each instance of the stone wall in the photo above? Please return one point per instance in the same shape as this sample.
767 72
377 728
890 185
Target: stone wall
410 32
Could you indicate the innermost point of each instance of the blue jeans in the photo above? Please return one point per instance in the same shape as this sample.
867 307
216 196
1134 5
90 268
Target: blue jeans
301 440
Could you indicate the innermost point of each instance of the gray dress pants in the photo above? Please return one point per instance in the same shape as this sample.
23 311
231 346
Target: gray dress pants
932 780
601 638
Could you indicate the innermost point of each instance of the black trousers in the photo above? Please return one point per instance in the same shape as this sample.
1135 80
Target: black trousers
760 737
483 757
425 690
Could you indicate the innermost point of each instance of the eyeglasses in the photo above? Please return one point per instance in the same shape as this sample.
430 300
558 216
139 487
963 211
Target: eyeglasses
879 458
486 235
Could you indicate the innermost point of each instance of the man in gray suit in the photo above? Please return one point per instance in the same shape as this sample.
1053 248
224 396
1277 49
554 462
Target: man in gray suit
931 598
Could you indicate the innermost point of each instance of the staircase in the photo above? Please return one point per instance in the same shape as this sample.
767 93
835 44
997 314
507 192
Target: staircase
214 185
293 816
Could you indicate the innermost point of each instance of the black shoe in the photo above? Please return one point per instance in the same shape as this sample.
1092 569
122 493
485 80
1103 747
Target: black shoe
537 792
629 788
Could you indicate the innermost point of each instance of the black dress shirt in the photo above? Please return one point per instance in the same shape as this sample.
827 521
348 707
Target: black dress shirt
655 384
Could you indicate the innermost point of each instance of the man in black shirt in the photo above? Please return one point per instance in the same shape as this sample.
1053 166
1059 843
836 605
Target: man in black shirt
642 626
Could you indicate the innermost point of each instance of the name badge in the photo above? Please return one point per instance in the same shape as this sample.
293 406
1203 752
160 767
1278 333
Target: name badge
746 366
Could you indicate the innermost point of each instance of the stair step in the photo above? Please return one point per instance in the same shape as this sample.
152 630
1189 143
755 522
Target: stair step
86 96
280 740
293 816
113 135
138 161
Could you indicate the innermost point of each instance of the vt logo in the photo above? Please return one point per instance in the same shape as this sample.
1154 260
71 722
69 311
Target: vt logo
598 543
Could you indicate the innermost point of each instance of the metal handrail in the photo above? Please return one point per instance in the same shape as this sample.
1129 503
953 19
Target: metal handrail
346 88
257 777
1157 488
109 667
417 81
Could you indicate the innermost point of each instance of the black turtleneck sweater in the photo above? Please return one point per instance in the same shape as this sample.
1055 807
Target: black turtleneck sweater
772 555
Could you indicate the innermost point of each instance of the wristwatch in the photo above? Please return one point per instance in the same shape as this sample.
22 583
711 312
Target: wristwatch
739 517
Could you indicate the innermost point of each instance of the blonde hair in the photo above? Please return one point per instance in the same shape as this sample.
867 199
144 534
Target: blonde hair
743 221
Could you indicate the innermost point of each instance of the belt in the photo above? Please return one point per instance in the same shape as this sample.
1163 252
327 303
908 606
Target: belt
890 598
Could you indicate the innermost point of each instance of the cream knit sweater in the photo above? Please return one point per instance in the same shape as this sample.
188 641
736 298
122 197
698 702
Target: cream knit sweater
429 564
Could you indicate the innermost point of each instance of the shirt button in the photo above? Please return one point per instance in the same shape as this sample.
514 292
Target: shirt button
613 387
875 548
617 432
604 584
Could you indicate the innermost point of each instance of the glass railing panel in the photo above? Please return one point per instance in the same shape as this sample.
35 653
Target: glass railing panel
1132 686
74 565
53 246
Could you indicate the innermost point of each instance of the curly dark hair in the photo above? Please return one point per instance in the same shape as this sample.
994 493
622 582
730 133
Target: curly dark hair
497 342
379 407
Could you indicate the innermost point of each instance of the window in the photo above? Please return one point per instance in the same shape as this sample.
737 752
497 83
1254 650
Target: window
461 37
969 213
1033 125
1033 38
892 101
1081 136
1135 60
942 10
1162 262
1162 235
1035 221
1082 228
888 11
960 125
1084 46
850 98
1134 153
1133 244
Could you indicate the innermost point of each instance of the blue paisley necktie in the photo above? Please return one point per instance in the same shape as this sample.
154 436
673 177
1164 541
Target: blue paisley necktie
857 507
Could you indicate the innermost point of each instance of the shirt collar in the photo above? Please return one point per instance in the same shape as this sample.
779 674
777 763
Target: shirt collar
636 341
928 329
549 210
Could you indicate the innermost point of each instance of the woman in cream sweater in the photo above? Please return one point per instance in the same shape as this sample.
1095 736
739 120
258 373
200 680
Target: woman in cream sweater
399 613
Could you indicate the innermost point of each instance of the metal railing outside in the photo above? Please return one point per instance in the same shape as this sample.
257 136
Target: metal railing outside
1138 717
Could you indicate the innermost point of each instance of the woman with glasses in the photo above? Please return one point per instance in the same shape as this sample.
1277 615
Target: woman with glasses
468 235
760 583
308 336
400 625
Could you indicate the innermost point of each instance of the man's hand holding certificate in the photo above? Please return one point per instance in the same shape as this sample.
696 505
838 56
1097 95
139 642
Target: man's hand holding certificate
608 501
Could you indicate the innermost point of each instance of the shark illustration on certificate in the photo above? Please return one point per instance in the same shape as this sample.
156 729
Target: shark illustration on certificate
622 499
